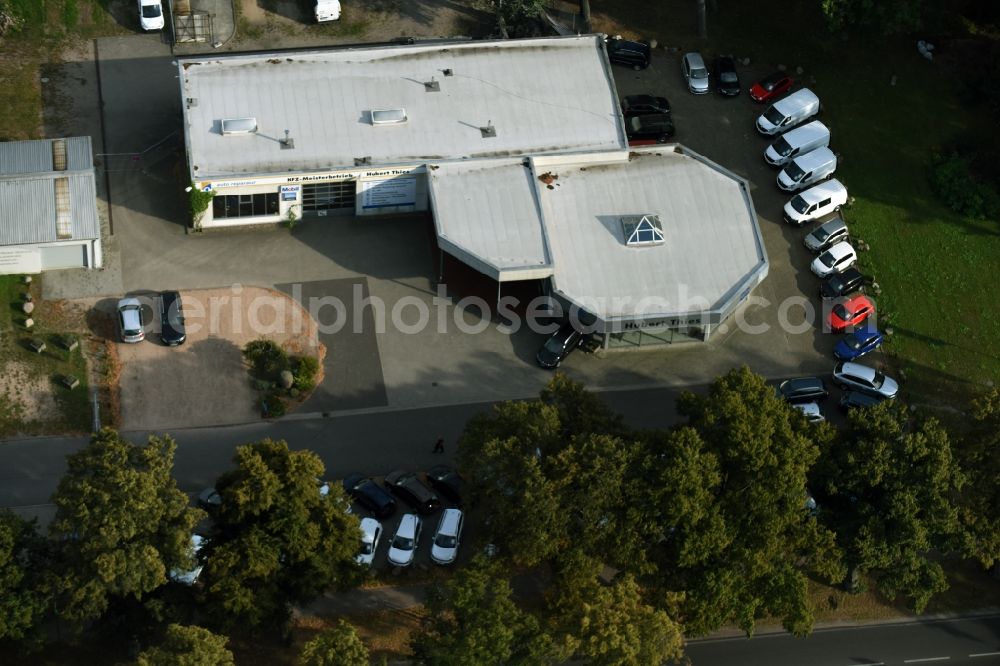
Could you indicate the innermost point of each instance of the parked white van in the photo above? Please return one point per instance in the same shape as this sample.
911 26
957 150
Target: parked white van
788 112
327 10
807 169
798 141
814 203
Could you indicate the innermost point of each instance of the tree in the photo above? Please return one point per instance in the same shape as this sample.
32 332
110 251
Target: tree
121 524
279 540
888 16
514 15
337 646
743 549
891 487
188 646
473 620
609 625
980 455
21 600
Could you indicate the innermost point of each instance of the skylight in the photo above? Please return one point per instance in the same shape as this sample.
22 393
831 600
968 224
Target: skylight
642 230
232 126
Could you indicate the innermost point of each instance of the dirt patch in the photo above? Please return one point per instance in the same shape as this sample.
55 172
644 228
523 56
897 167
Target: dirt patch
205 381
26 396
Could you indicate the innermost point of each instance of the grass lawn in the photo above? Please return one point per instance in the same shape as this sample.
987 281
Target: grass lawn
933 266
31 399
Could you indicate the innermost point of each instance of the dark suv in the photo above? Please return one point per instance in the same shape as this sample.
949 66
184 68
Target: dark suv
171 319
658 128
631 54
409 489
370 495
802 389
558 346
842 284
644 105
727 82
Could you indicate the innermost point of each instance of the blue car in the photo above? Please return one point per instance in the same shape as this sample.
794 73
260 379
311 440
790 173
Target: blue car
857 344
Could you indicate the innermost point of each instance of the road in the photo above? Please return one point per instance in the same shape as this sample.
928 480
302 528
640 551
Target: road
367 441
959 641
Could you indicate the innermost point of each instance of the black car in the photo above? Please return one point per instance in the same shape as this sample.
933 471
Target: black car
558 347
171 319
727 82
631 54
856 399
644 105
842 284
446 481
658 127
409 488
802 389
370 495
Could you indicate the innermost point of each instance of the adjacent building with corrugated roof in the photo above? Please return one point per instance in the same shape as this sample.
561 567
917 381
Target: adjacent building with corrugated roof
48 206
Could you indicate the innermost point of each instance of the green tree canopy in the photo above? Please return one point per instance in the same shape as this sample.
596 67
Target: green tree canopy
22 601
121 524
188 646
888 16
279 540
891 488
980 454
337 646
744 544
473 621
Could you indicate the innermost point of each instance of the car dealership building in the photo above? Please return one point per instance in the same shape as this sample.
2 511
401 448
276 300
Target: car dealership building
517 148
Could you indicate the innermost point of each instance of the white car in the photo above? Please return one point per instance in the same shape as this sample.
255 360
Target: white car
814 203
695 73
371 532
811 411
190 577
858 377
837 259
444 547
151 14
326 10
404 542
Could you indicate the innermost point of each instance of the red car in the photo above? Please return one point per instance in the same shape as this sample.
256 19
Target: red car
850 313
772 86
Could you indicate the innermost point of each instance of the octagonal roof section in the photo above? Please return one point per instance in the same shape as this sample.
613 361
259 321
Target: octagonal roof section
706 250
397 105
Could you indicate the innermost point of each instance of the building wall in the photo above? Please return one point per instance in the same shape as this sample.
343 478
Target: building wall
27 259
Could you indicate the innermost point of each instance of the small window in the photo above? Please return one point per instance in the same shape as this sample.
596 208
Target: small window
245 205
825 202
231 126
388 116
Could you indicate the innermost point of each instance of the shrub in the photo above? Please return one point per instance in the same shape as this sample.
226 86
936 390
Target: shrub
305 369
266 358
275 406
961 191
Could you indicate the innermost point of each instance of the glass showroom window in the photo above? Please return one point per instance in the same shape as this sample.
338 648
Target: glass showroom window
245 205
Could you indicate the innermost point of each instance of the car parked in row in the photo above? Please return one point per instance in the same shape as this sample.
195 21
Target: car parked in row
371 532
838 258
411 490
131 321
644 105
804 170
858 400
172 331
826 235
447 537
650 128
695 73
841 284
370 495
798 141
811 411
788 112
802 389
636 55
852 312
858 377
727 81
151 15
447 482
403 547
855 345
771 87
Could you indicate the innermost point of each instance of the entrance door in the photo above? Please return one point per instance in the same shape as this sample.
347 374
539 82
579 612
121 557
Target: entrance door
319 198
64 256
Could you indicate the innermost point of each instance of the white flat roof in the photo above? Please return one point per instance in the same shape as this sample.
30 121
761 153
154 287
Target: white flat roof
486 214
542 96
712 247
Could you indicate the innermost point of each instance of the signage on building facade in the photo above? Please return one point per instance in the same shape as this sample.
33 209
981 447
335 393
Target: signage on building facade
389 193
20 260
312 177
290 192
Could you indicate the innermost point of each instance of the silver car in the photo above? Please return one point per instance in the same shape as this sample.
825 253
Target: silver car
695 73
858 377
131 326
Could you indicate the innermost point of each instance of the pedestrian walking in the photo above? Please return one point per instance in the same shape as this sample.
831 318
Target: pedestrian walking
439 445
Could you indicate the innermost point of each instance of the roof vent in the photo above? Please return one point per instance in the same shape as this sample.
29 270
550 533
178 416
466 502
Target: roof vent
642 230
363 161
191 102
432 86
447 72
489 131
232 126
388 116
